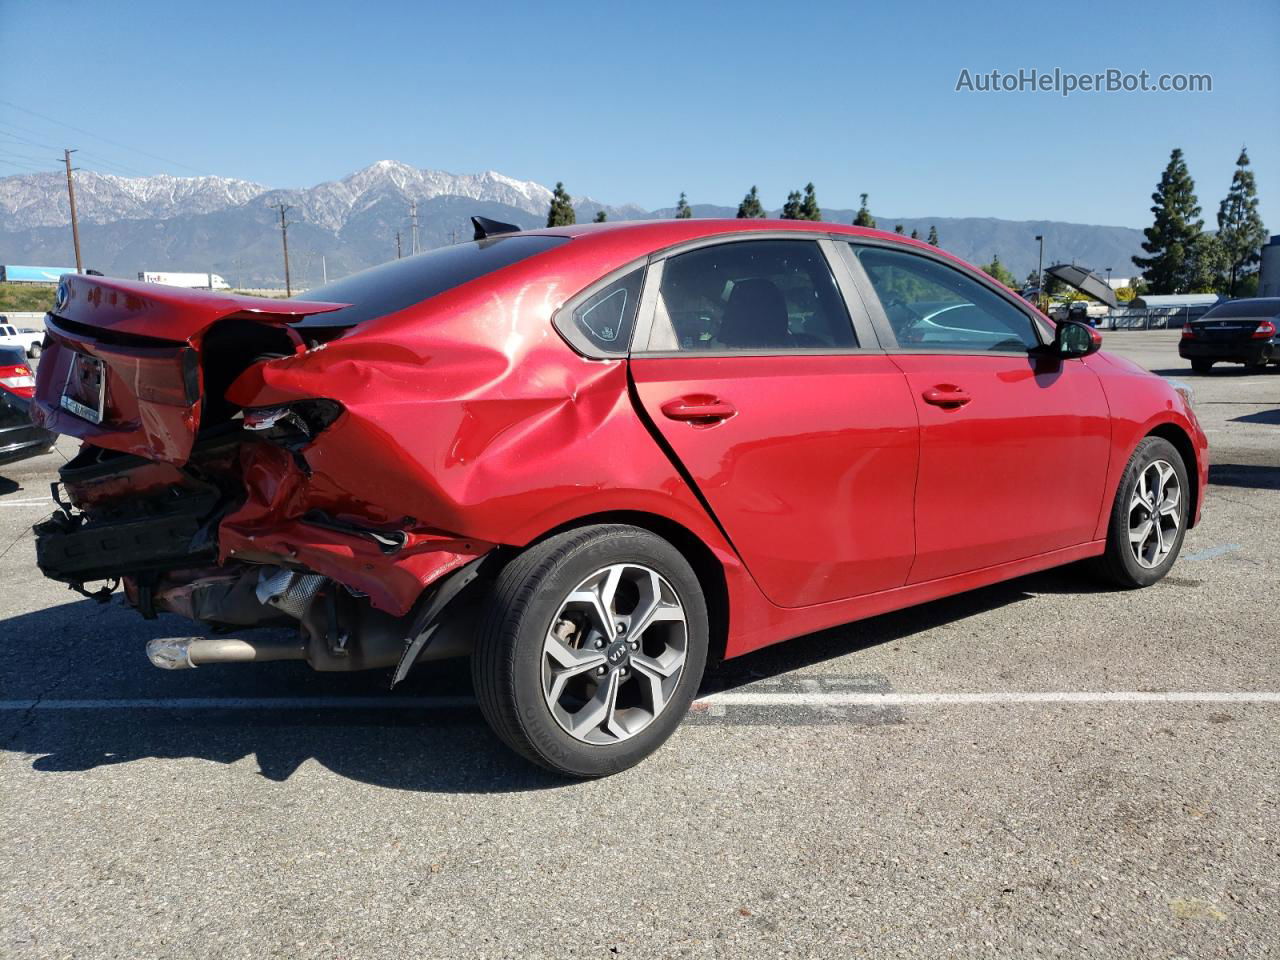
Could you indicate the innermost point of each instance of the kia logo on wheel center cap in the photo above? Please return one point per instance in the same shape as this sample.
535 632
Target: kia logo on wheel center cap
616 653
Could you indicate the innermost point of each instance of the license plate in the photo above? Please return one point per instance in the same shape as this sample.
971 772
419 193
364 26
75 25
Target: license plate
86 388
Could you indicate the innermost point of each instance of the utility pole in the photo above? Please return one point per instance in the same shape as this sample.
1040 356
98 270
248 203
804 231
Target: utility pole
1040 275
413 215
397 244
71 197
284 239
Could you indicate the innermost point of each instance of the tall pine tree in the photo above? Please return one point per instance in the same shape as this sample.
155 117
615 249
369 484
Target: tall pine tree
1173 238
809 209
1240 229
864 217
683 210
933 236
749 208
561 212
791 209
915 234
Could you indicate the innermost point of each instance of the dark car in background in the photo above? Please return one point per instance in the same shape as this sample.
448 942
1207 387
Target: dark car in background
19 437
1238 331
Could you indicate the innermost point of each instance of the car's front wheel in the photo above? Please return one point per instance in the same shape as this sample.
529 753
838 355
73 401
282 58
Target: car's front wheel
591 649
33 352
1149 516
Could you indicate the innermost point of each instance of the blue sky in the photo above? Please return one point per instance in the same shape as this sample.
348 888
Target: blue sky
637 102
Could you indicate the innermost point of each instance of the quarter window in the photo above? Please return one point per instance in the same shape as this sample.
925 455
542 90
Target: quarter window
602 323
931 306
750 295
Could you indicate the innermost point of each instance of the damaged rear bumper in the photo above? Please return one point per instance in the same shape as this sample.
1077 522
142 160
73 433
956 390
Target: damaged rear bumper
236 538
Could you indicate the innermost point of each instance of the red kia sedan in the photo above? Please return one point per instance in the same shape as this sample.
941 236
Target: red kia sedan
594 459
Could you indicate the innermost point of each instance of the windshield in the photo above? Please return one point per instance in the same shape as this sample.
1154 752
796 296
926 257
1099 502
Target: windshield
398 284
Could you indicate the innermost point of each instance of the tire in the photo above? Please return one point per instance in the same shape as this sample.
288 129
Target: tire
1159 548
34 351
1201 366
517 662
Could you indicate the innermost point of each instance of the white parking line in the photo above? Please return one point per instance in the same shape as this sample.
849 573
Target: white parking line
743 698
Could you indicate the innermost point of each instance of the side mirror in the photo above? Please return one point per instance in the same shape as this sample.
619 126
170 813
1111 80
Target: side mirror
1073 339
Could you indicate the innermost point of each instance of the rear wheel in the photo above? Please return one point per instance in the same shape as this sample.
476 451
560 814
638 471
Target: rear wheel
34 351
591 649
1201 366
1149 517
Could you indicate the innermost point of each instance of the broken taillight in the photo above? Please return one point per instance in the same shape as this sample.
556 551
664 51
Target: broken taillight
293 424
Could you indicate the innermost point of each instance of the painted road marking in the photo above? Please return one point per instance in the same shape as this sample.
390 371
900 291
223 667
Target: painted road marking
1212 552
740 698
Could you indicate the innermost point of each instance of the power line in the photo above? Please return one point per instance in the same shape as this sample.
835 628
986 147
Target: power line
97 136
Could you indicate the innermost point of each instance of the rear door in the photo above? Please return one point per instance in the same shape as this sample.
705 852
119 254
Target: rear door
1014 445
795 428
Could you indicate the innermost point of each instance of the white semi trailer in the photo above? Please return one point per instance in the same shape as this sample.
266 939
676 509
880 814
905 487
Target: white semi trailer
201 281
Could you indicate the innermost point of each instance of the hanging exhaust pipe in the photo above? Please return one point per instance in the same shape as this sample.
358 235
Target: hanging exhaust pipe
183 653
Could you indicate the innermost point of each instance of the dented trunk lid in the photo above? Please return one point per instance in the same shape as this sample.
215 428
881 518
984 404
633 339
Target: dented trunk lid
121 367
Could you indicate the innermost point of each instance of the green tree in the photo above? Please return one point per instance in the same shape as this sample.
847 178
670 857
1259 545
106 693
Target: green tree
791 209
601 216
899 228
864 217
1174 232
1000 273
683 210
1207 266
809 209
561 212
933 236
1240 228
915 234
749 208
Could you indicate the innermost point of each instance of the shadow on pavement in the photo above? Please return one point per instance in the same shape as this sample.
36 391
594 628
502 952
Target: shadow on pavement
1262 416
81 650
1244 475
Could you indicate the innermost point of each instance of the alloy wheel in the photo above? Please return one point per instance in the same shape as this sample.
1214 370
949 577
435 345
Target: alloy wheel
1155 514
614 654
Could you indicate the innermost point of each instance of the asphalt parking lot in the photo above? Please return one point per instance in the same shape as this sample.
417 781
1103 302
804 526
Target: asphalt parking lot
1008 773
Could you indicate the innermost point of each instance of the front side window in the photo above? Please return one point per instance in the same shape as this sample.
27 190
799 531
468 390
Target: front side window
750 295
931 306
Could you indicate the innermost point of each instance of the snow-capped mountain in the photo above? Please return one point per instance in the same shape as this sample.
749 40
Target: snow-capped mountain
40 200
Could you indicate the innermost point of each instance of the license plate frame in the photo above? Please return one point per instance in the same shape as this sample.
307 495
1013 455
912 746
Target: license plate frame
85 391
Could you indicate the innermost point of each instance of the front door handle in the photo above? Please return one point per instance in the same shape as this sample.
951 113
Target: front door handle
698 409
946 395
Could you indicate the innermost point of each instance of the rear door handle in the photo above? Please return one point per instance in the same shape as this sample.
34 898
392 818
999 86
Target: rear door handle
946 395
698 409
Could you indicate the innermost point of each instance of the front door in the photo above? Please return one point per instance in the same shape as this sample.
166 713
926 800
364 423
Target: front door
1014 445
802 442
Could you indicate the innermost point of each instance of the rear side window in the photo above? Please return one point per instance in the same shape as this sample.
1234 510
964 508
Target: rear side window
750 295
602 323
931 306
399 284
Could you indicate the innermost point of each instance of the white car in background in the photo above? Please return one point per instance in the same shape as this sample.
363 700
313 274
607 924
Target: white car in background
28 340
